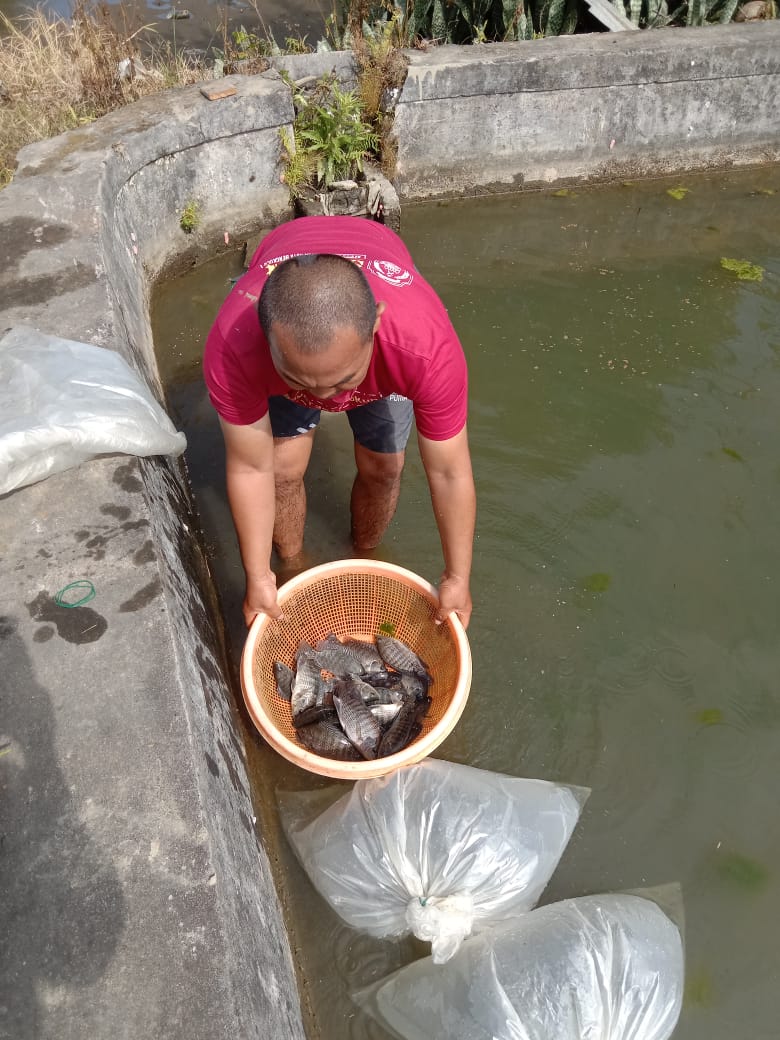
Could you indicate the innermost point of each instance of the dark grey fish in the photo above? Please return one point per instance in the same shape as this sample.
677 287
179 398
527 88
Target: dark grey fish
330 640
284 676
368 693
405 728
397 655
338 661
383 694
384 713
315 713
366 653
323 738
324 692
356 720
373 706
307 681
304 651
383 678
415 686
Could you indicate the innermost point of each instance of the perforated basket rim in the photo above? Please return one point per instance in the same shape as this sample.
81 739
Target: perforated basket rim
334 768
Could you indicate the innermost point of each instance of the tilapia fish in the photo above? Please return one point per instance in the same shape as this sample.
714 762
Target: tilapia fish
352 700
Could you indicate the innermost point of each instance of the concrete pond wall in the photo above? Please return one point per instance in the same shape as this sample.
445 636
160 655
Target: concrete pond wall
138 896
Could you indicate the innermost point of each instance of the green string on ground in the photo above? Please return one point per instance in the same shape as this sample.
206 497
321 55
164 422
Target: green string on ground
64 597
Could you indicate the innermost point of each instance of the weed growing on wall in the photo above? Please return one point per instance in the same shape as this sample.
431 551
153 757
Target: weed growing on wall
190 216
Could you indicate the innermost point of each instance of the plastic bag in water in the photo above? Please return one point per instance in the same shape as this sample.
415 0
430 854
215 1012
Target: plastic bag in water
61 402
436 849
604 967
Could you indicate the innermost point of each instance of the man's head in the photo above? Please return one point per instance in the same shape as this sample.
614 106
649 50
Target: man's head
319 316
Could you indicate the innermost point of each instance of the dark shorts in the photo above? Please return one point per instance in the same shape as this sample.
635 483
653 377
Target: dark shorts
381 426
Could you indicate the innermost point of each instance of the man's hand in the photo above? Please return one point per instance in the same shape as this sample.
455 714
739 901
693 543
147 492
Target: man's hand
249 462
454 597
261 598
448 468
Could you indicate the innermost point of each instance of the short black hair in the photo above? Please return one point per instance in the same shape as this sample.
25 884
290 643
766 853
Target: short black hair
314 295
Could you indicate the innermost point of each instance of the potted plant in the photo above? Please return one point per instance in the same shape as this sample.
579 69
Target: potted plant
325 156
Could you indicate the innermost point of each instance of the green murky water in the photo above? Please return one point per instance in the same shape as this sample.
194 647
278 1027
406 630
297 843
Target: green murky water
625 395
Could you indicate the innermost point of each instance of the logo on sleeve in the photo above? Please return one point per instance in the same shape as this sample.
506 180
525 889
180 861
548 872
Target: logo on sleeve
390 272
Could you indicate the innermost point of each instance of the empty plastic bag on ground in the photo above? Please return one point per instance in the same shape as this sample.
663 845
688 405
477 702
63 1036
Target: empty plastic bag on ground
604 967
437 850
61 402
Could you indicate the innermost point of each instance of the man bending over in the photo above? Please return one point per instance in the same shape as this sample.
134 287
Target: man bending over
332 315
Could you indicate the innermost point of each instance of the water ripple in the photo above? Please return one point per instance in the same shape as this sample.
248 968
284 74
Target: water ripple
360 960
672 664
627 672
726 748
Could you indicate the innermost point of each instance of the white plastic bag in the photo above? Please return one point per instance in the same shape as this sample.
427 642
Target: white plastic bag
595 968
435 849
61 402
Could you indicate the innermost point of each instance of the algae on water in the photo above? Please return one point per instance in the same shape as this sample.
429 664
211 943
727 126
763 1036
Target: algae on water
743 269
709 716
597 582
745 872
732 454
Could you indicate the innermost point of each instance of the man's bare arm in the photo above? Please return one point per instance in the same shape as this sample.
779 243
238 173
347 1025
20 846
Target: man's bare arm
448 468
249 461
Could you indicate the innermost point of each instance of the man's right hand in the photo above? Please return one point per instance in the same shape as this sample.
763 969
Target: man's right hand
261 598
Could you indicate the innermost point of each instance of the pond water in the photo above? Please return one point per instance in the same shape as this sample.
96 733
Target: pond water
625 394
204 21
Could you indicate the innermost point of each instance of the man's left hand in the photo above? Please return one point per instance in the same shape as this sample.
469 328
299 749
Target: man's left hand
454 597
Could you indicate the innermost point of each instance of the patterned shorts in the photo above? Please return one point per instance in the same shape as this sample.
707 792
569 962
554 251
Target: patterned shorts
381 426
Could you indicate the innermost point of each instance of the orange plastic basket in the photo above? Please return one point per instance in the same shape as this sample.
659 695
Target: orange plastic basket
356 598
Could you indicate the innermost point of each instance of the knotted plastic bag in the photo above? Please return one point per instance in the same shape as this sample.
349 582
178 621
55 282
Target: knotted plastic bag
62 402
604 967
436 849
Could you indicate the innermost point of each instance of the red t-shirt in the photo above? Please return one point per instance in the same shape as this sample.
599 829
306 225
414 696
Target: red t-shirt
416 354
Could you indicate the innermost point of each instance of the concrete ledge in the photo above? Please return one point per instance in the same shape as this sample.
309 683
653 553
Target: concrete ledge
138 893
139 899
504 116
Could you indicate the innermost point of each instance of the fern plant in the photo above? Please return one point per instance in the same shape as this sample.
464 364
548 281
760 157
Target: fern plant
331 138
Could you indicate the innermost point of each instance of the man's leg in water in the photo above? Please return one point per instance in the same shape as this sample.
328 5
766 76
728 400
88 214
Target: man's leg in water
293 428
381 431
291 457
374 495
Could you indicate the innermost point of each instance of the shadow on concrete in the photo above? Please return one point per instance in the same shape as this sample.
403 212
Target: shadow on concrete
62 911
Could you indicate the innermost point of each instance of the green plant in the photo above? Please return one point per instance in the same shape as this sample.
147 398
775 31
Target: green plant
247 45
381 71
480 21
484 21
558 17
654 14
380 61
365 19
243 48
296 45
331 138
190 217
300 167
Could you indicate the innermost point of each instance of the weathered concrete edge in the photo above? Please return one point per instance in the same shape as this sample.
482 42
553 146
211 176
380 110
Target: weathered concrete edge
89 224
581 108
87 228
